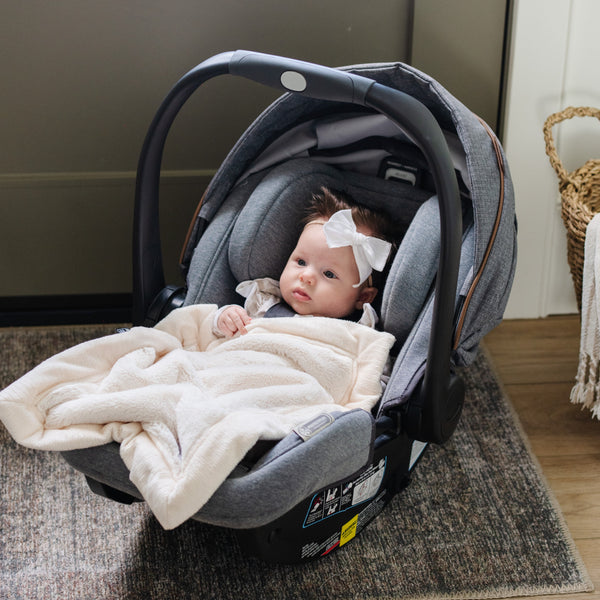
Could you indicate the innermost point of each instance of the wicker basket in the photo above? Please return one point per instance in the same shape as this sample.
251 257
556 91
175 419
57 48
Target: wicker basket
580 194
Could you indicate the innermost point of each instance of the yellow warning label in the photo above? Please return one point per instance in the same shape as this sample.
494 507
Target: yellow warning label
348 531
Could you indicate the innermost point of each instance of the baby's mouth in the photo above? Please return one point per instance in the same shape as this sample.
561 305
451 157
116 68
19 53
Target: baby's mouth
300 295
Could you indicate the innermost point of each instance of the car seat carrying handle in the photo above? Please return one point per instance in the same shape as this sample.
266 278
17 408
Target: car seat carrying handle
429 416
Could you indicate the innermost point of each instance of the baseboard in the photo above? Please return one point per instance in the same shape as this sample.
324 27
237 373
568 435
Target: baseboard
97 178
29 311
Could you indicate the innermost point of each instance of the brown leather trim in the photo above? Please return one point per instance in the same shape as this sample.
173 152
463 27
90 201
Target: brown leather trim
191 229
463 312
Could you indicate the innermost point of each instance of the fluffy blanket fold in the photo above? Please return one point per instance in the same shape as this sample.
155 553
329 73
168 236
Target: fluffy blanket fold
586 390
187 406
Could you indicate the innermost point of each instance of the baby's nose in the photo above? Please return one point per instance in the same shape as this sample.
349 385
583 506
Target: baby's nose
307 276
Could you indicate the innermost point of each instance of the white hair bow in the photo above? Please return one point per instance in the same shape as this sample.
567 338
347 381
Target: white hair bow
369 252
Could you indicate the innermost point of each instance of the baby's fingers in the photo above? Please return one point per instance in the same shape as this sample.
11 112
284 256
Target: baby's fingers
241 320
233 321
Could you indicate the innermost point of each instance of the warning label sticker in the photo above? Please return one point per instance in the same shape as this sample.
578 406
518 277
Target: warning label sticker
348 530
345 495
320 549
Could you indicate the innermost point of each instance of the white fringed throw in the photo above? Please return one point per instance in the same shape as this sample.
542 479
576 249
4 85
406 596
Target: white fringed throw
586 390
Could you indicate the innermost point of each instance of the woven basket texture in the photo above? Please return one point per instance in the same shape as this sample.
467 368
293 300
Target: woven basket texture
579 191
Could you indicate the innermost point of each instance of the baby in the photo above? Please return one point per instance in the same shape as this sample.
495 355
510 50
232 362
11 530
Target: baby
328 274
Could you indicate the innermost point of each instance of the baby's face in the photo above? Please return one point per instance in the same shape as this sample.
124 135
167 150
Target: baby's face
318 280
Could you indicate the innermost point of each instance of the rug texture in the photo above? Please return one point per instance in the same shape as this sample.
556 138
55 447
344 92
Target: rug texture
477 521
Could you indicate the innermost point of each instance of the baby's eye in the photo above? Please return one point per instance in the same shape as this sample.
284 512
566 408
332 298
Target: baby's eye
329 274
301 262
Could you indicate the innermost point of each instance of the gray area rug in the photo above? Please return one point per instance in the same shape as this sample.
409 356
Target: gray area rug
477 521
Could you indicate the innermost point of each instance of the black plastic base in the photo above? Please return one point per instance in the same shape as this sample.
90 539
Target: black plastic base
333 516
326 520
106 491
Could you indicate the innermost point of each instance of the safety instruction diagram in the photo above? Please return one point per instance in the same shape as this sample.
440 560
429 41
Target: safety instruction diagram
345 495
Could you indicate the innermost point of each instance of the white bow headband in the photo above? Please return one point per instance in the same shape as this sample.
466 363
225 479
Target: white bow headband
369 252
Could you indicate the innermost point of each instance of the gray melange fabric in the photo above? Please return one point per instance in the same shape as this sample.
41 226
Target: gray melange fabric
287 474
257 241
482 178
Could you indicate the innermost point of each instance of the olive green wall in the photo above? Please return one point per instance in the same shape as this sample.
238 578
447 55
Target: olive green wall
83 78
460 43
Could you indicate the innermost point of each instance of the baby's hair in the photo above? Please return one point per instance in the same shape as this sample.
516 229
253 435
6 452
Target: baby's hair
328 202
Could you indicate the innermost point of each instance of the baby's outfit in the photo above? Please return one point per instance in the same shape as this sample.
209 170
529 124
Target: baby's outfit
264 293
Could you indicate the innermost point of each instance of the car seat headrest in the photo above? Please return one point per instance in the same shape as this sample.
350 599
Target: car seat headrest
270 223
413 271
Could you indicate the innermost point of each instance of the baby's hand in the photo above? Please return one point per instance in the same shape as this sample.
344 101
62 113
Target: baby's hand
232 320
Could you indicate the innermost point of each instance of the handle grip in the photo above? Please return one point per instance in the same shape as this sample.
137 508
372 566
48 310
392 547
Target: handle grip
327 84
308 79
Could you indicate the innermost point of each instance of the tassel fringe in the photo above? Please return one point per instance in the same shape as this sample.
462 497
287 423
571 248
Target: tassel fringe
586 390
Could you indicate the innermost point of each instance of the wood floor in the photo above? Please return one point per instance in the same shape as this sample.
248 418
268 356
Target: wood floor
536 361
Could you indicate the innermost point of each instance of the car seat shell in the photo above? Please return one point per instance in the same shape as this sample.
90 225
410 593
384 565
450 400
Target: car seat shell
255 180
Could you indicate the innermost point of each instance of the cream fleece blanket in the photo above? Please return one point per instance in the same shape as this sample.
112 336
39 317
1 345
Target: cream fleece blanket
586 390
187 406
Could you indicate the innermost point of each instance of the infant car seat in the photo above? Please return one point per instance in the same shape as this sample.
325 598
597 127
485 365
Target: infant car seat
396 140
